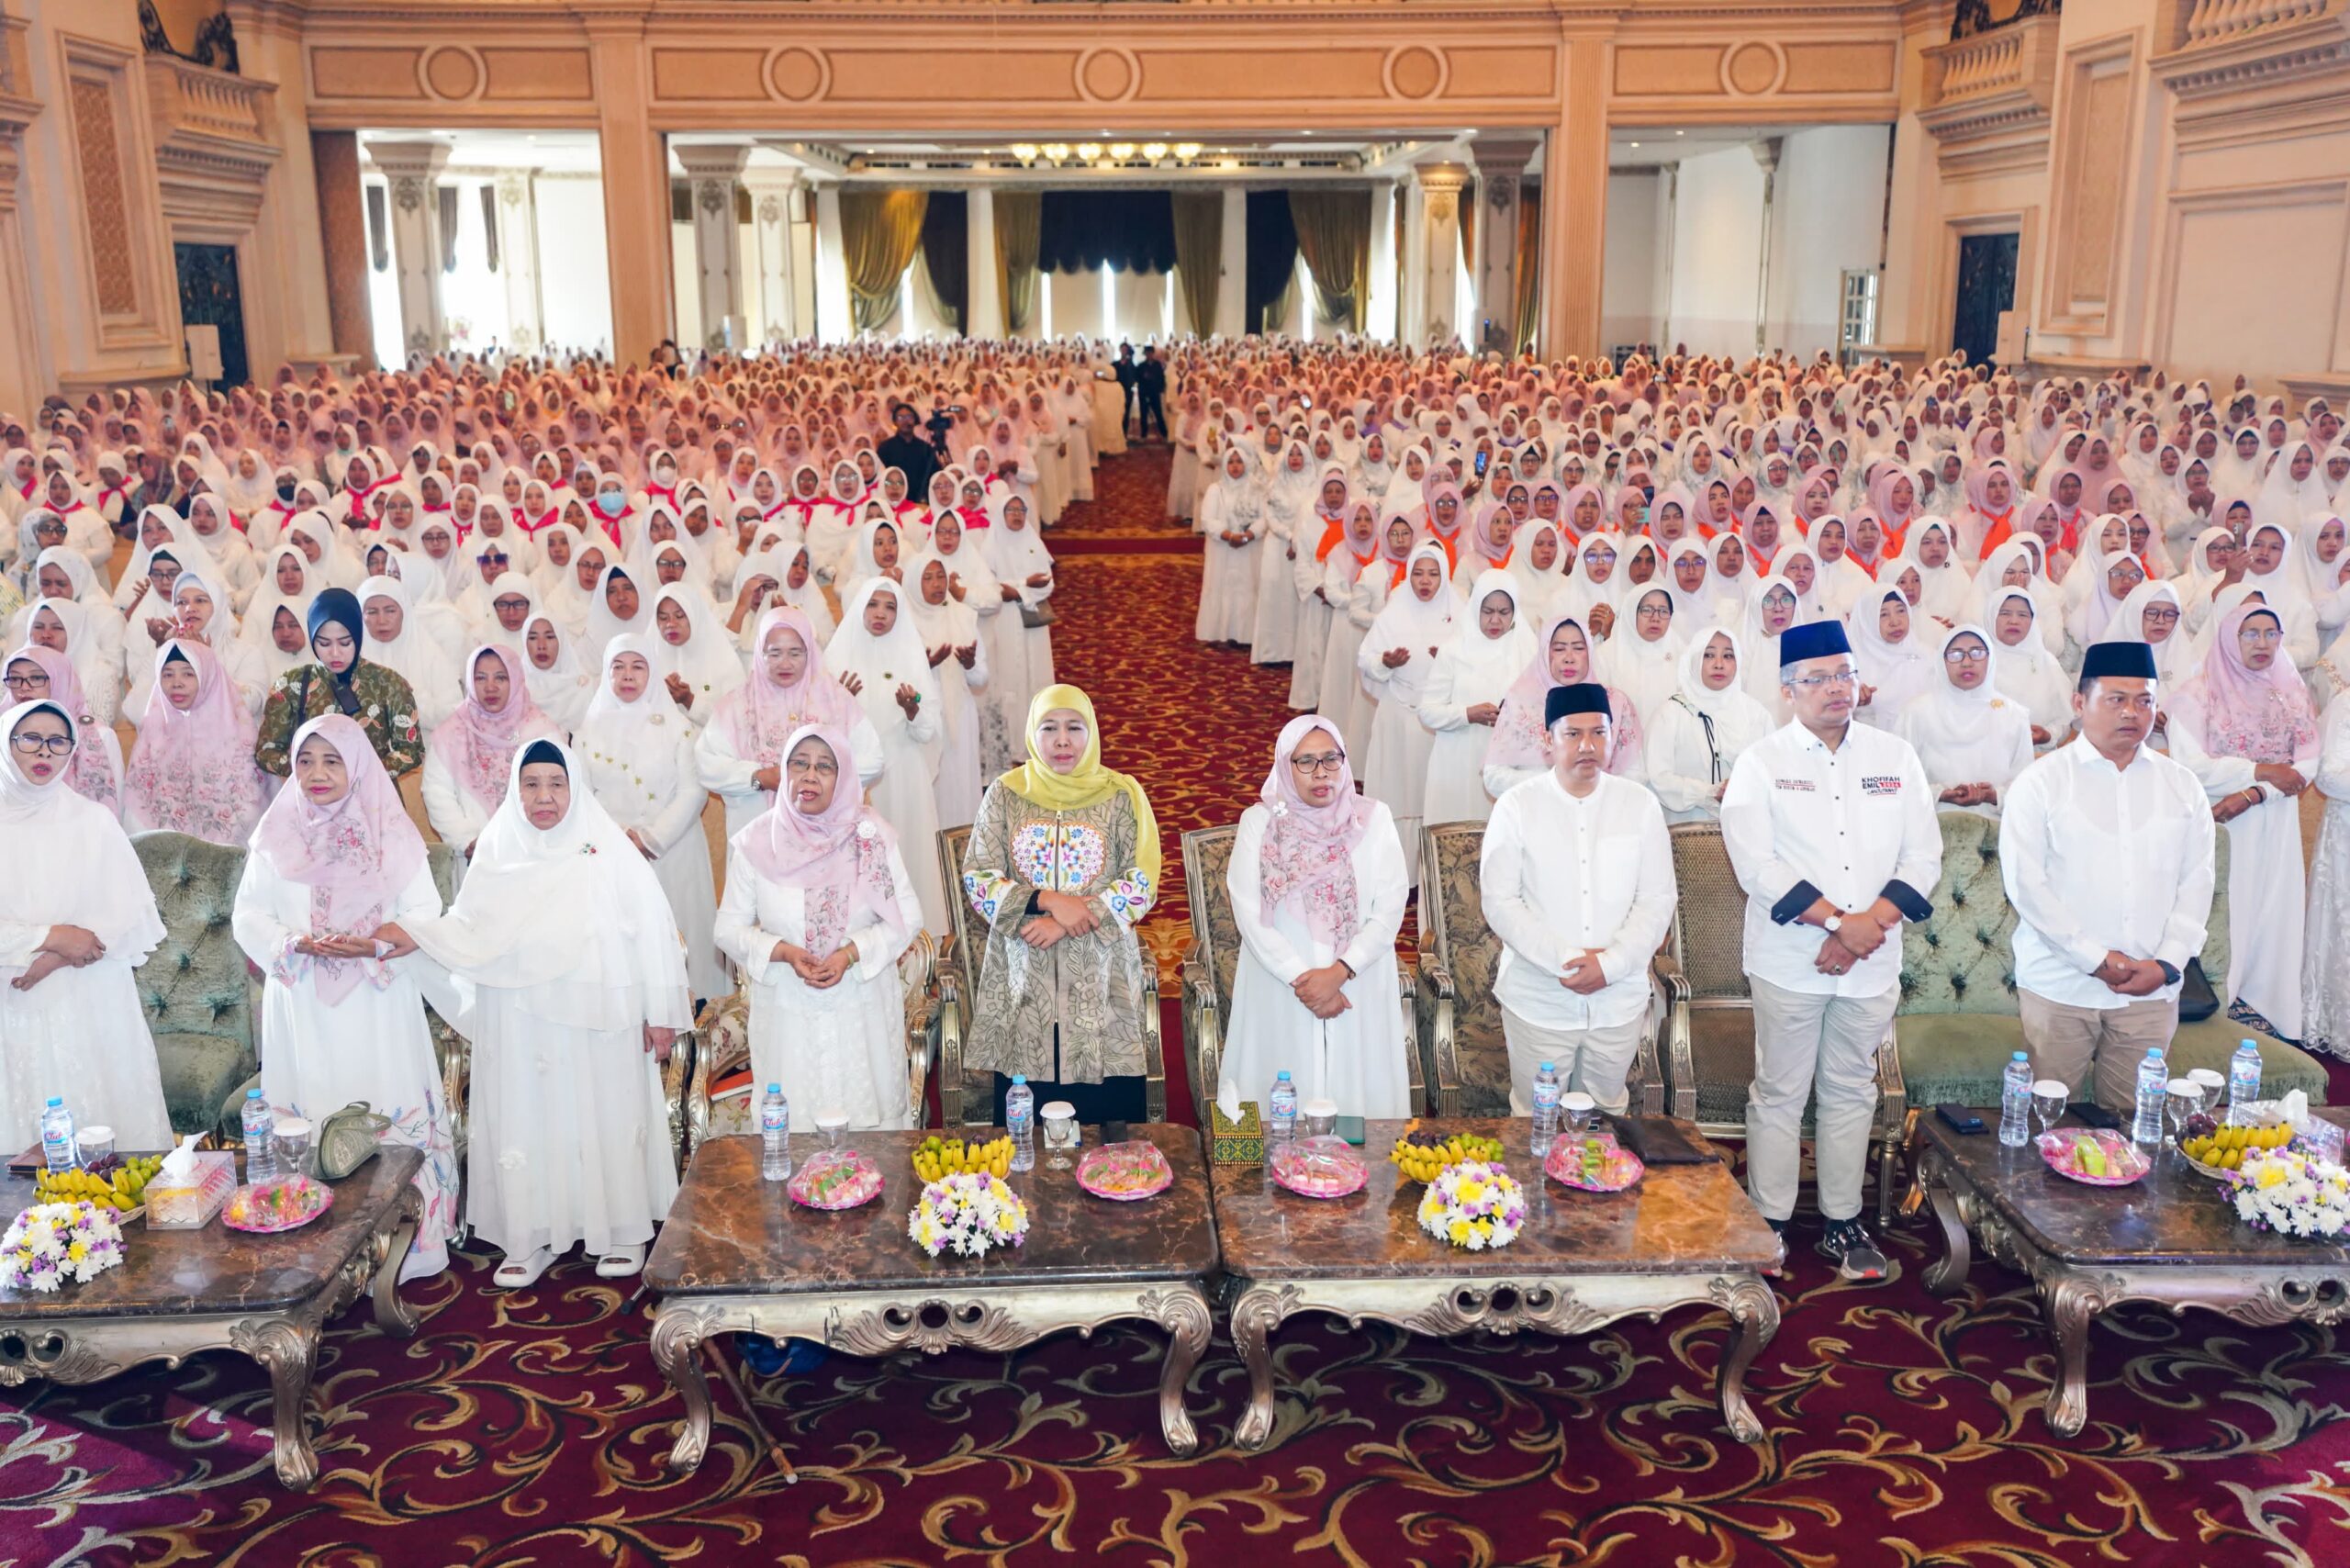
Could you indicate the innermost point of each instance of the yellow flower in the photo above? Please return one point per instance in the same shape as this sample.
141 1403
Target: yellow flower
78 1251
1460 1233
1470 1191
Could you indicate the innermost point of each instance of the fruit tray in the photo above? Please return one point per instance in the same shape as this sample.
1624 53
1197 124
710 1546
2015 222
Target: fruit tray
2098 1157
1320 1168
1125 1172
836 1179
1614 1168
268 1207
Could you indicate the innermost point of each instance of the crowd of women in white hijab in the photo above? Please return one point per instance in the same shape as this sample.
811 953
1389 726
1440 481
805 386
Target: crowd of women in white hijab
538 611
1431 543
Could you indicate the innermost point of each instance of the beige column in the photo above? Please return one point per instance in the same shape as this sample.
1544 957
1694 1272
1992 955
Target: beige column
1574 206
983 315
412 169
288 236
1231 287
774 315
1500 170
518 259
710 173
636 187
24 380
1436 258
835 321
343 243
1380 317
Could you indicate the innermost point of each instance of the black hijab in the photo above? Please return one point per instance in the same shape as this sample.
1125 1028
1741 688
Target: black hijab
340 607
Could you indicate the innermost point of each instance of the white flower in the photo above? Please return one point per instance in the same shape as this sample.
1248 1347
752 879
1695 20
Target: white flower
375 710
403 721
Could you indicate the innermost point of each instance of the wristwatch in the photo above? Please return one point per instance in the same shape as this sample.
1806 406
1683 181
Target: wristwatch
2170 972
1832 925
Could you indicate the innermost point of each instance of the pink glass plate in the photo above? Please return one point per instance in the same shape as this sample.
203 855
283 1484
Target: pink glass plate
830 1180
1622 1169
304 1201
1322 1169
2124 1160
1125 1172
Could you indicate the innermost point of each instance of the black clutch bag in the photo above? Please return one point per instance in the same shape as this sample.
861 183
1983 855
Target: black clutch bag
2196 1000
1661 1140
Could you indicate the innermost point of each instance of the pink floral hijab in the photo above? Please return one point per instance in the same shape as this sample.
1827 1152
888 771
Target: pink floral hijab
481 744
1308 859
92 773
2266 714
839 858
763 713
354 856
192 770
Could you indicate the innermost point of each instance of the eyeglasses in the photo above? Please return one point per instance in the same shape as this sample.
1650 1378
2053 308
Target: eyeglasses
37 681
1814 682
2259 635
1327 762
1966 655
33 746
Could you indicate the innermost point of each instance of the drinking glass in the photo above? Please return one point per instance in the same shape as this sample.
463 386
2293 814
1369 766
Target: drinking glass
2049 1097
1321 1118
1577 1113
293 1145
2214 1084
2182 1098
1061 1134
833 1124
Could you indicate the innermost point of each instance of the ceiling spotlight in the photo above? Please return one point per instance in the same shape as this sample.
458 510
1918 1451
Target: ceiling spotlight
1054 152
1154 150
1025 150
1636 147
1089 150
1122 150
1187 149
1680 133
1228 163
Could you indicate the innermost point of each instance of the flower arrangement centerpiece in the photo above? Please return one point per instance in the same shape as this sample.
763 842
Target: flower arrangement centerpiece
2293 1194
970 1212
50 1243
1473 1204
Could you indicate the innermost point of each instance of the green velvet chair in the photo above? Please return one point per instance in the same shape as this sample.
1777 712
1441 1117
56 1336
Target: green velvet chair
1460 1021
195 987
1959 1023
1212 960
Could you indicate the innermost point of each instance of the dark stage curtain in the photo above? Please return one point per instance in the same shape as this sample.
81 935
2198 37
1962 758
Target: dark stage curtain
1272 255
1132 230
946 251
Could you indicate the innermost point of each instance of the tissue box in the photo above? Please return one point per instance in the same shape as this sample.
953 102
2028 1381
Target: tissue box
190 1203
1235 1143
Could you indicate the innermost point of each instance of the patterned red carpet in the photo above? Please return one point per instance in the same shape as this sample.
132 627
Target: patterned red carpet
1903 1430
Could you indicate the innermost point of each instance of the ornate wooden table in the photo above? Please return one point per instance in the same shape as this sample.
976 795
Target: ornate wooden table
737 1256
1685 1236
179 1292
2167 1237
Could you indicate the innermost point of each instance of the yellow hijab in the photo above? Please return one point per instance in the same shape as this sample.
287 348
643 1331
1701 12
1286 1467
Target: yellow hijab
1086 784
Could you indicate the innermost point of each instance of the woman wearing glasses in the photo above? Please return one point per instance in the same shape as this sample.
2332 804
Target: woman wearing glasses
1971 738
1317 885
77 917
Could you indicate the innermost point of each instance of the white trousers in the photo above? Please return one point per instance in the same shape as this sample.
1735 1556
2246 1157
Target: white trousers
1806 1042
1595 1062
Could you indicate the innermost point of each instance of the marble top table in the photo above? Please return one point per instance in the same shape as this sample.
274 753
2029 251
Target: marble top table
1687 1234
180 1292
2167 1237
737 1256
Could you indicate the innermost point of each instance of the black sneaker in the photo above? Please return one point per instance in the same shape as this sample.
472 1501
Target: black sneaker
1854 1250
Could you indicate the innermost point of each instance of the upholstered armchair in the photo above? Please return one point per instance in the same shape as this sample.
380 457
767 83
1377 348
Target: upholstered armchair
1467 1068
721 1093
966 1094
1959 1022
1211 959
1709 1011
195 987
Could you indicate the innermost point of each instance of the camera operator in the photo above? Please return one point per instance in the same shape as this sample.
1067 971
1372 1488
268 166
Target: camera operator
909 453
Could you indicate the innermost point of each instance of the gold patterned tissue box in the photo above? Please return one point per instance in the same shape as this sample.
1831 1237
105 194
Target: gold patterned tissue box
1235 1143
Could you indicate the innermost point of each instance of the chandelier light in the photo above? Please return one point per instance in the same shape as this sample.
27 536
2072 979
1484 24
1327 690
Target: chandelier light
1089 152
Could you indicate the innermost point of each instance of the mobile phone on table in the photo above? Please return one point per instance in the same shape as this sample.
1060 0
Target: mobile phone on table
2091 1115
1349 1129
1960 1119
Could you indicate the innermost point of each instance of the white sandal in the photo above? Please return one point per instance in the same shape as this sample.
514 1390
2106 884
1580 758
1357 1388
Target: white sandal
518 1273
621 1262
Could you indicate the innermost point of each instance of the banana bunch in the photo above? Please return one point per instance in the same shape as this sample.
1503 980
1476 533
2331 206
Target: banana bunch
1423 1155
937 1157
122 1192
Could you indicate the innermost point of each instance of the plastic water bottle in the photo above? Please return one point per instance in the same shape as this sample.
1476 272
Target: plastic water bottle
1281 1110
260 1138
2153 1088
1019 1121
775 1133
57 1145
2244 1081
2015 1102
1547 1090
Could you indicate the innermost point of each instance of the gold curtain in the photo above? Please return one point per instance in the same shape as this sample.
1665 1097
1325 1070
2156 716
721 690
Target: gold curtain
1334 234
1019 219
1529 261
1199 253
879 232
1469 192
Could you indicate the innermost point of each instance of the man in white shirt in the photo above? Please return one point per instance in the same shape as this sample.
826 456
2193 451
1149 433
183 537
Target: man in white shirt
2106 851
1577 878
1830 828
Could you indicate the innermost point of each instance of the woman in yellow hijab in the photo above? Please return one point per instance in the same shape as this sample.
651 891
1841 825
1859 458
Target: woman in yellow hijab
1063 864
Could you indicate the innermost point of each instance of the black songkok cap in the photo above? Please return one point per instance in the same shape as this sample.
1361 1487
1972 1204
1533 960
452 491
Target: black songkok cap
2124 659
1812 640
1576 697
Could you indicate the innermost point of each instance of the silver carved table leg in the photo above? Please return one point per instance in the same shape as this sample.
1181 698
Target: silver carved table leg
1558 1307
1948 1274
878 1324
